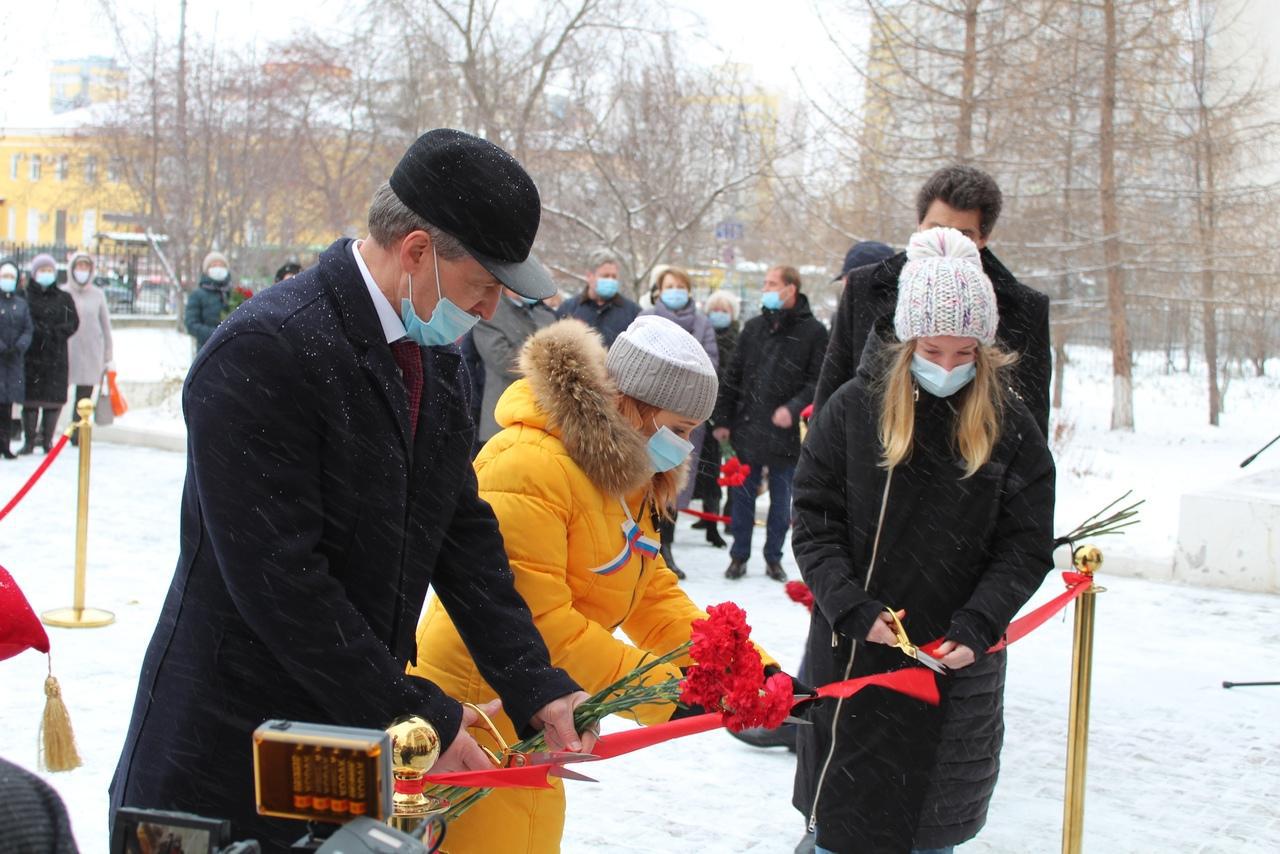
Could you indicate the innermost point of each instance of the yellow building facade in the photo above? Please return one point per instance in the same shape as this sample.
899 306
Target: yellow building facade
56 184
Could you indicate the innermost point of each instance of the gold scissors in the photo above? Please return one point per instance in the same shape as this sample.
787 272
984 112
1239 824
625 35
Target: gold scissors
911 650
507 757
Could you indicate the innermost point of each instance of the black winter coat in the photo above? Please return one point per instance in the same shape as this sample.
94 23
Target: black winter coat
705 485
961 556
776 363
871 295
15 338
610 318
54 319
313 522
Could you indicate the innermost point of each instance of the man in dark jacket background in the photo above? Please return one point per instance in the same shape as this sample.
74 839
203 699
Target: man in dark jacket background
497 342
968 200
329 482
601 305
770 380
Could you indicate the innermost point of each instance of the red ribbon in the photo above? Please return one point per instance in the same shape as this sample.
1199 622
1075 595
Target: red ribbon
1020 628
915 682
40 470
709 517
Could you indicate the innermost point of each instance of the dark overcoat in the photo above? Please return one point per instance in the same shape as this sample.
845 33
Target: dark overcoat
776 363
15 338
961 556
871 295
610 318
54 319
313 522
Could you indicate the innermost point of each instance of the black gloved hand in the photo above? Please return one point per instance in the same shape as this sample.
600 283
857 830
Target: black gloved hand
690 711
798 688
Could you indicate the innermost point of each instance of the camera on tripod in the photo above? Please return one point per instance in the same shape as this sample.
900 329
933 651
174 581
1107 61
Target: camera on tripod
337 779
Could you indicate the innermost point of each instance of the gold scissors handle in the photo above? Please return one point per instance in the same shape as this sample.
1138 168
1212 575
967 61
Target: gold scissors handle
504 757
900 632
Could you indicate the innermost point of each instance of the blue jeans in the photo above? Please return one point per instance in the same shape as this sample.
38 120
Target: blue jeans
742 507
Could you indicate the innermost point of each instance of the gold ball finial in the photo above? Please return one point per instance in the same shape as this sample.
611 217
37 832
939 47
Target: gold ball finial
1087 559
415 744
84 408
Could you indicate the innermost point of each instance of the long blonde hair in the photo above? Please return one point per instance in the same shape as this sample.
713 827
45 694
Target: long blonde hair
665 486
977 424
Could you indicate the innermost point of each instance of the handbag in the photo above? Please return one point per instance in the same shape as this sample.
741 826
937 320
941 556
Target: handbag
103 413
119 406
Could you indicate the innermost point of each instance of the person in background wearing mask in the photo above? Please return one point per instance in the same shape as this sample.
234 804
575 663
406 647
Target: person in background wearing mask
15 337
207 302
771 379
329 486
967 199
925 486
588 457
54 320
722 313
89 349
675 303
497 342
287 270
601 306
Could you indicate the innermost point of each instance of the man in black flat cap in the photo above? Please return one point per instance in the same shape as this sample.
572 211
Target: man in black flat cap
329 482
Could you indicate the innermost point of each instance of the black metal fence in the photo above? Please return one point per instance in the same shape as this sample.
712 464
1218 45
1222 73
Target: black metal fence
130 274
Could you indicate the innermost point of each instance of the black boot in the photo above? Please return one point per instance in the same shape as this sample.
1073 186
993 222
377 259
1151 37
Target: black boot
737 568
30 418
712 507
774 570
783 736
667 532
48 426
6 428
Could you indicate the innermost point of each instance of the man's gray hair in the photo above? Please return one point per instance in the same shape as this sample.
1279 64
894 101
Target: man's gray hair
599 257
390 220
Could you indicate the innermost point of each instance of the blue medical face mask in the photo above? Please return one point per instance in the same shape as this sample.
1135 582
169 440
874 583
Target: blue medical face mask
46 279
937 380
8 285
606 288
523 302
719 319
675 298
771 301
667 450
448 323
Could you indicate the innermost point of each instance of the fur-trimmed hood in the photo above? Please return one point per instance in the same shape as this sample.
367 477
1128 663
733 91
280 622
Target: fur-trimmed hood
570 395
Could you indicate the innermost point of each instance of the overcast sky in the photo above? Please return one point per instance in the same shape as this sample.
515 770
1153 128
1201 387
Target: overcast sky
777 44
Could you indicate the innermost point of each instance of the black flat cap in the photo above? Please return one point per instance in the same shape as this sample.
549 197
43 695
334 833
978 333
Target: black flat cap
474 191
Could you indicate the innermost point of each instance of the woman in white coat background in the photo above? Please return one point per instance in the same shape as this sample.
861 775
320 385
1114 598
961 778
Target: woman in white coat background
89 351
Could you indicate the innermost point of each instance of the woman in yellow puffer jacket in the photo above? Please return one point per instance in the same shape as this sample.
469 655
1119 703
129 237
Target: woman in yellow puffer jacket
590 447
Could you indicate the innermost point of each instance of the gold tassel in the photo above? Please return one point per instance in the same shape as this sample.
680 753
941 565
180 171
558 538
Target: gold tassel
57 740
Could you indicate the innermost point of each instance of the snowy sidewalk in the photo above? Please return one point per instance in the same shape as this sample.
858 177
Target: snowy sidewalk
1175 763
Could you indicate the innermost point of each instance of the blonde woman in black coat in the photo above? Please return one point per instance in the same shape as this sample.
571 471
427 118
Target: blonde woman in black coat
924 487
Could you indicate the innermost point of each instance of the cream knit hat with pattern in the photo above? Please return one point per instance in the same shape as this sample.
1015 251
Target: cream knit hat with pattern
657 362
942 289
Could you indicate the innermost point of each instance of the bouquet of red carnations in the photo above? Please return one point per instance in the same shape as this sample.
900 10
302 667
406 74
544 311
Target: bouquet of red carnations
728 675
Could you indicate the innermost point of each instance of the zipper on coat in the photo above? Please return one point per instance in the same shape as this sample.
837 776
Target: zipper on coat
848 668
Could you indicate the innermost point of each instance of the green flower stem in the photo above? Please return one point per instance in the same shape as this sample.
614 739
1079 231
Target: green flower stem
622 696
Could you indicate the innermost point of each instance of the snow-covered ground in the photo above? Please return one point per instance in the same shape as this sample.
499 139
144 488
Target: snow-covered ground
1176 763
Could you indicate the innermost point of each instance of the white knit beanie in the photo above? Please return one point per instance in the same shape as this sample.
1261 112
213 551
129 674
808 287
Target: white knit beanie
214 257
657 362
942 289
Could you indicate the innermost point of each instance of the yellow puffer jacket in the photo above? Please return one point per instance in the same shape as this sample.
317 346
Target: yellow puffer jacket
553 476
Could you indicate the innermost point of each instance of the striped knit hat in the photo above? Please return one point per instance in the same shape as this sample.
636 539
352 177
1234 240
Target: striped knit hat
942 289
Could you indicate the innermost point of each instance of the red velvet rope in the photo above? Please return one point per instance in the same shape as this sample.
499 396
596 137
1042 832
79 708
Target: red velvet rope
40 470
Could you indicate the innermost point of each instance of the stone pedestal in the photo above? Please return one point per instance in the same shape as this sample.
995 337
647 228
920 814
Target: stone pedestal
1229 535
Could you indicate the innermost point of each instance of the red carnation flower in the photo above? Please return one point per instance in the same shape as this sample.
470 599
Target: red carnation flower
798 591
733 473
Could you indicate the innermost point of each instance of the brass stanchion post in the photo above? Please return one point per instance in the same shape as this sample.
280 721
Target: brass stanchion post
1086 559
78 616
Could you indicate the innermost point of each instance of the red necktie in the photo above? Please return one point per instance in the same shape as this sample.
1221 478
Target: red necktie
408 356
